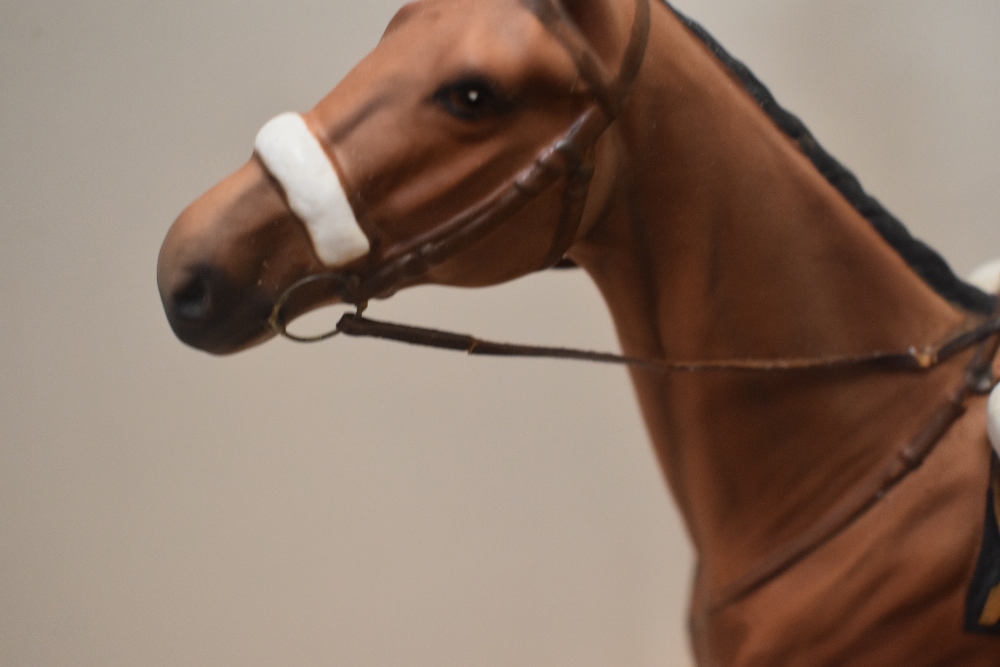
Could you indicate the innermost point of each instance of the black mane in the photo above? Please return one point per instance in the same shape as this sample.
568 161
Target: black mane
927 263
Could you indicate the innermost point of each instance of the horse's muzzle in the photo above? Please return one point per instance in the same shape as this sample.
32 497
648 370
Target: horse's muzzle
226 260
208 311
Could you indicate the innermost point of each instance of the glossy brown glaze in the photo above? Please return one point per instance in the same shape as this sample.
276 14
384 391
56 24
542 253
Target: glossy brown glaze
711 236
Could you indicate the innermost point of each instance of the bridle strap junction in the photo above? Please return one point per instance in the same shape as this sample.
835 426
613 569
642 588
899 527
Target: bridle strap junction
610 92
469 226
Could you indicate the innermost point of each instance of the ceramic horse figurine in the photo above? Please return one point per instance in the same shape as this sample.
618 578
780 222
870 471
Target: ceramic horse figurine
836 498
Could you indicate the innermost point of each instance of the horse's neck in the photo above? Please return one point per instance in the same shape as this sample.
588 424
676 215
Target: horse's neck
721 240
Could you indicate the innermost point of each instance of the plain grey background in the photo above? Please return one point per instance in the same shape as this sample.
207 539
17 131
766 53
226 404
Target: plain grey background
362 503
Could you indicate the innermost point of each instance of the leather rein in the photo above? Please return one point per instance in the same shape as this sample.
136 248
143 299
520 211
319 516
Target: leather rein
566 158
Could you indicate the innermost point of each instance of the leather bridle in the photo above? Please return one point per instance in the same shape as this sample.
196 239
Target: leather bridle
566 157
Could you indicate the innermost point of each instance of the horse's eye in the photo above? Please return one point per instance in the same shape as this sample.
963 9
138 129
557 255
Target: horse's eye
470 99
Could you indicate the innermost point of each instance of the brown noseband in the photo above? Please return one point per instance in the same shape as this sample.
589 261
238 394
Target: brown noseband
564 158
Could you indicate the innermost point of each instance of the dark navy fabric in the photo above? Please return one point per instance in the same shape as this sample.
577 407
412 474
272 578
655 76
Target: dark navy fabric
986 581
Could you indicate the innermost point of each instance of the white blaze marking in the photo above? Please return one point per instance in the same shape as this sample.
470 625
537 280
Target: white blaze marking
297 160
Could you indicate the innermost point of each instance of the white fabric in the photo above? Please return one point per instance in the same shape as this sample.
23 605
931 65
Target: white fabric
314 192
993 418
987 277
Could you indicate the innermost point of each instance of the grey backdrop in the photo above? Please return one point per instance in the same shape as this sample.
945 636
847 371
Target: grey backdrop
361 503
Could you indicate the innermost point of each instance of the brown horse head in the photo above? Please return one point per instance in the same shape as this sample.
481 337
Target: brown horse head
458 152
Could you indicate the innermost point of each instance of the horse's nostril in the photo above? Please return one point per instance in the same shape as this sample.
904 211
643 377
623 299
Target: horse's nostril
209 311
191 300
